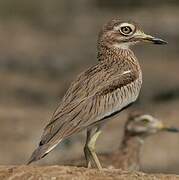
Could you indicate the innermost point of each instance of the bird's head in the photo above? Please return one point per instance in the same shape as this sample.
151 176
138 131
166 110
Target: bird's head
142 125
122 34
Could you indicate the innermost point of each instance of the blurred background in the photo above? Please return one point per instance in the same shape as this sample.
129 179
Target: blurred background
45 44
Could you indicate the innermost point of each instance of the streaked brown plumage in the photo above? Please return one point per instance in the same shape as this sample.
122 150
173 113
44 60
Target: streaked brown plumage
100 91
127 156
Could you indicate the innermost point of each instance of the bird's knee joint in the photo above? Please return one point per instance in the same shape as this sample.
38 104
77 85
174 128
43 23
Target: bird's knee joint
91 147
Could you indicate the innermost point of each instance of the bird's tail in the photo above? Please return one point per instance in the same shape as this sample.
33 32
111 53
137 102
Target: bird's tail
41 152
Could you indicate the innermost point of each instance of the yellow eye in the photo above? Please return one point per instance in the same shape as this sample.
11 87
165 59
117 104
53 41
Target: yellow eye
145 121
126 30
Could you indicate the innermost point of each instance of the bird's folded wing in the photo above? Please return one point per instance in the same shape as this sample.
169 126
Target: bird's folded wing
83 112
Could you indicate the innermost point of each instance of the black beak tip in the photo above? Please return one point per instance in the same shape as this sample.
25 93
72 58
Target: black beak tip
159 41
172 129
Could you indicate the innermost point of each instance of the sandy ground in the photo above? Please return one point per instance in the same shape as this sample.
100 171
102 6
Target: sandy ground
68 173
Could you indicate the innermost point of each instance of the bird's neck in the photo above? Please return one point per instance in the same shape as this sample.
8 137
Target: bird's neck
110 55
113 53
132 141
130 149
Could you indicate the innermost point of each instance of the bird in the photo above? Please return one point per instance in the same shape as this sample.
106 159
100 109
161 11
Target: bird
99 92
137 128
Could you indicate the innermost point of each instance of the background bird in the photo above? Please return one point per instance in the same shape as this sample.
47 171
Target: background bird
137 128
99 92
127 157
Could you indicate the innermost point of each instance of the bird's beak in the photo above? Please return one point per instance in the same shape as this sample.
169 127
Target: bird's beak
151 39
162 127
171 129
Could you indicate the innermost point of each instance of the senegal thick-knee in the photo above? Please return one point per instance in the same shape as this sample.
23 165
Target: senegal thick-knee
100 91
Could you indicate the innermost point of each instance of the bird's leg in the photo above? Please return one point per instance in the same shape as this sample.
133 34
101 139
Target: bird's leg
89 149
91 146
86 149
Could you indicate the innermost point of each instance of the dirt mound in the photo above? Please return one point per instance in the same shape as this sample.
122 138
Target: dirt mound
67 172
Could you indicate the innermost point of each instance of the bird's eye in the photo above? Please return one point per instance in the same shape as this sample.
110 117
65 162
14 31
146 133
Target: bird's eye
145 121
126 30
